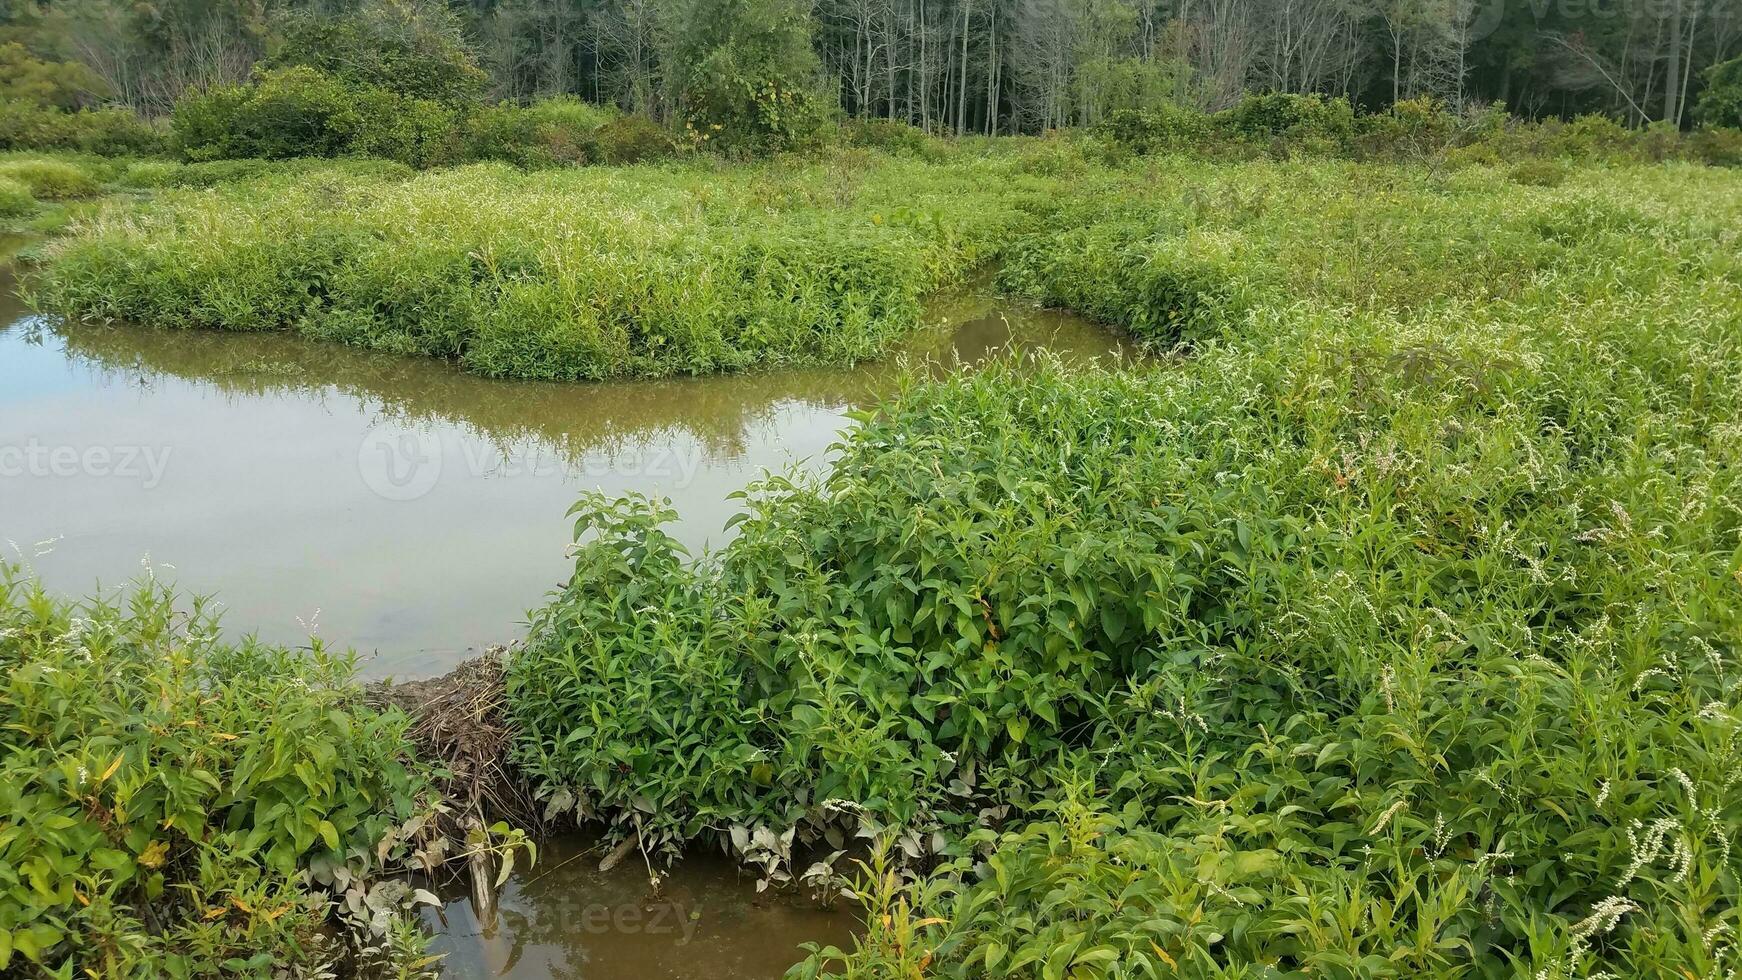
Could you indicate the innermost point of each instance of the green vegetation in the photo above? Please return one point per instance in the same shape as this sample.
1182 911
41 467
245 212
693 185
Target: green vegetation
15 199
558 274
178 805
1721 102
1392 631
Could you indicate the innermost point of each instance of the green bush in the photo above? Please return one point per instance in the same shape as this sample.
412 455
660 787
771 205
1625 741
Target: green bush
551 132
890 136
745 73
109 132
1265 117
300 112
632 139
1720 102
15 198
1717 147
1162 129
1593 136
407 47
165 791
50 179
286 113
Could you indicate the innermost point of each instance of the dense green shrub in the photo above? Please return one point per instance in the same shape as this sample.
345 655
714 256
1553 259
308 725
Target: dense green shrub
1720 102
1285 115
109 132
1394 632
300 112
891 136
550 132
15 198
409 47
745 73
164 791
1162 287
632 139
1718 147
1162 129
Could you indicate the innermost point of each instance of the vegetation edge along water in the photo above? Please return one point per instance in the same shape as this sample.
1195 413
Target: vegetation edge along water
1388 629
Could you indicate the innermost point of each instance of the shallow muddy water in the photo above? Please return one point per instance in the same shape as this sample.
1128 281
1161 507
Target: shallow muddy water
565 919
392 505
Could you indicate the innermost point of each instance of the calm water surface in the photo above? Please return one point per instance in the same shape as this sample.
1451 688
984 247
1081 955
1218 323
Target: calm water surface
392 505
566 920
412 512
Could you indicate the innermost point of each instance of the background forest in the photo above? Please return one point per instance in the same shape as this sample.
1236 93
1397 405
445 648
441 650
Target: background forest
963 66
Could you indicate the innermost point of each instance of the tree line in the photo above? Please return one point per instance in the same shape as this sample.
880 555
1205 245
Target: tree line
961 66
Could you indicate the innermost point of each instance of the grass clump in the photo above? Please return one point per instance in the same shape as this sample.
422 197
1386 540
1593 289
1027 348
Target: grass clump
1394 632
15 198
175 804
569 274
51 178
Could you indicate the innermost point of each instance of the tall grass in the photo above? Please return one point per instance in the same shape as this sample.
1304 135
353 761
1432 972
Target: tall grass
595 273
1393 632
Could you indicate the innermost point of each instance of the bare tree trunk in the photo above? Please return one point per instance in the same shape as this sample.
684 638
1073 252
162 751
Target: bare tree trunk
1673 76
962 86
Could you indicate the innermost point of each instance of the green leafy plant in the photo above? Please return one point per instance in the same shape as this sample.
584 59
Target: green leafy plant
166 791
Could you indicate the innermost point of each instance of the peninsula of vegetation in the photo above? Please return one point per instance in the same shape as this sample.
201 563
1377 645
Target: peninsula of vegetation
1383 620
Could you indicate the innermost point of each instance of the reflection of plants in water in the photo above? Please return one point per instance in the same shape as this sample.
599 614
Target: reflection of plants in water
566 919
576 420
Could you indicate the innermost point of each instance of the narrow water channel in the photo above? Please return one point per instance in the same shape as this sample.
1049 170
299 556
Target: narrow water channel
414 513
391 504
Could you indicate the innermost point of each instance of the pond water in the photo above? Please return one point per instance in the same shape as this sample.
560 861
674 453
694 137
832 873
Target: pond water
393 505
414 513
567 920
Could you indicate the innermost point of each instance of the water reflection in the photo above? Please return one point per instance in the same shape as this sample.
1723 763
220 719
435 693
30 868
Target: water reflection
564 919
392 504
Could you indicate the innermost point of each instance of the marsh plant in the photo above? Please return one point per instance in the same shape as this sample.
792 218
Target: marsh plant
1392 632
176 804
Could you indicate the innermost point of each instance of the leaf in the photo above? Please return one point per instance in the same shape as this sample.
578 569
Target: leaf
154 854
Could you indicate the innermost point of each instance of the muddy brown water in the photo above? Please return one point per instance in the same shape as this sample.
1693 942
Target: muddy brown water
565 919
399 507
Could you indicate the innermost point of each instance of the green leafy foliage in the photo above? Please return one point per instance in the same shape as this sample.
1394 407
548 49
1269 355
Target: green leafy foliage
585 273
1393 632
15 198
300 112
1721 101
744 71
50 178
163 790
412 48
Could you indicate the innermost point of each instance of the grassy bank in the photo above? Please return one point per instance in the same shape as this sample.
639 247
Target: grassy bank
696 267
1393 632
593 273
